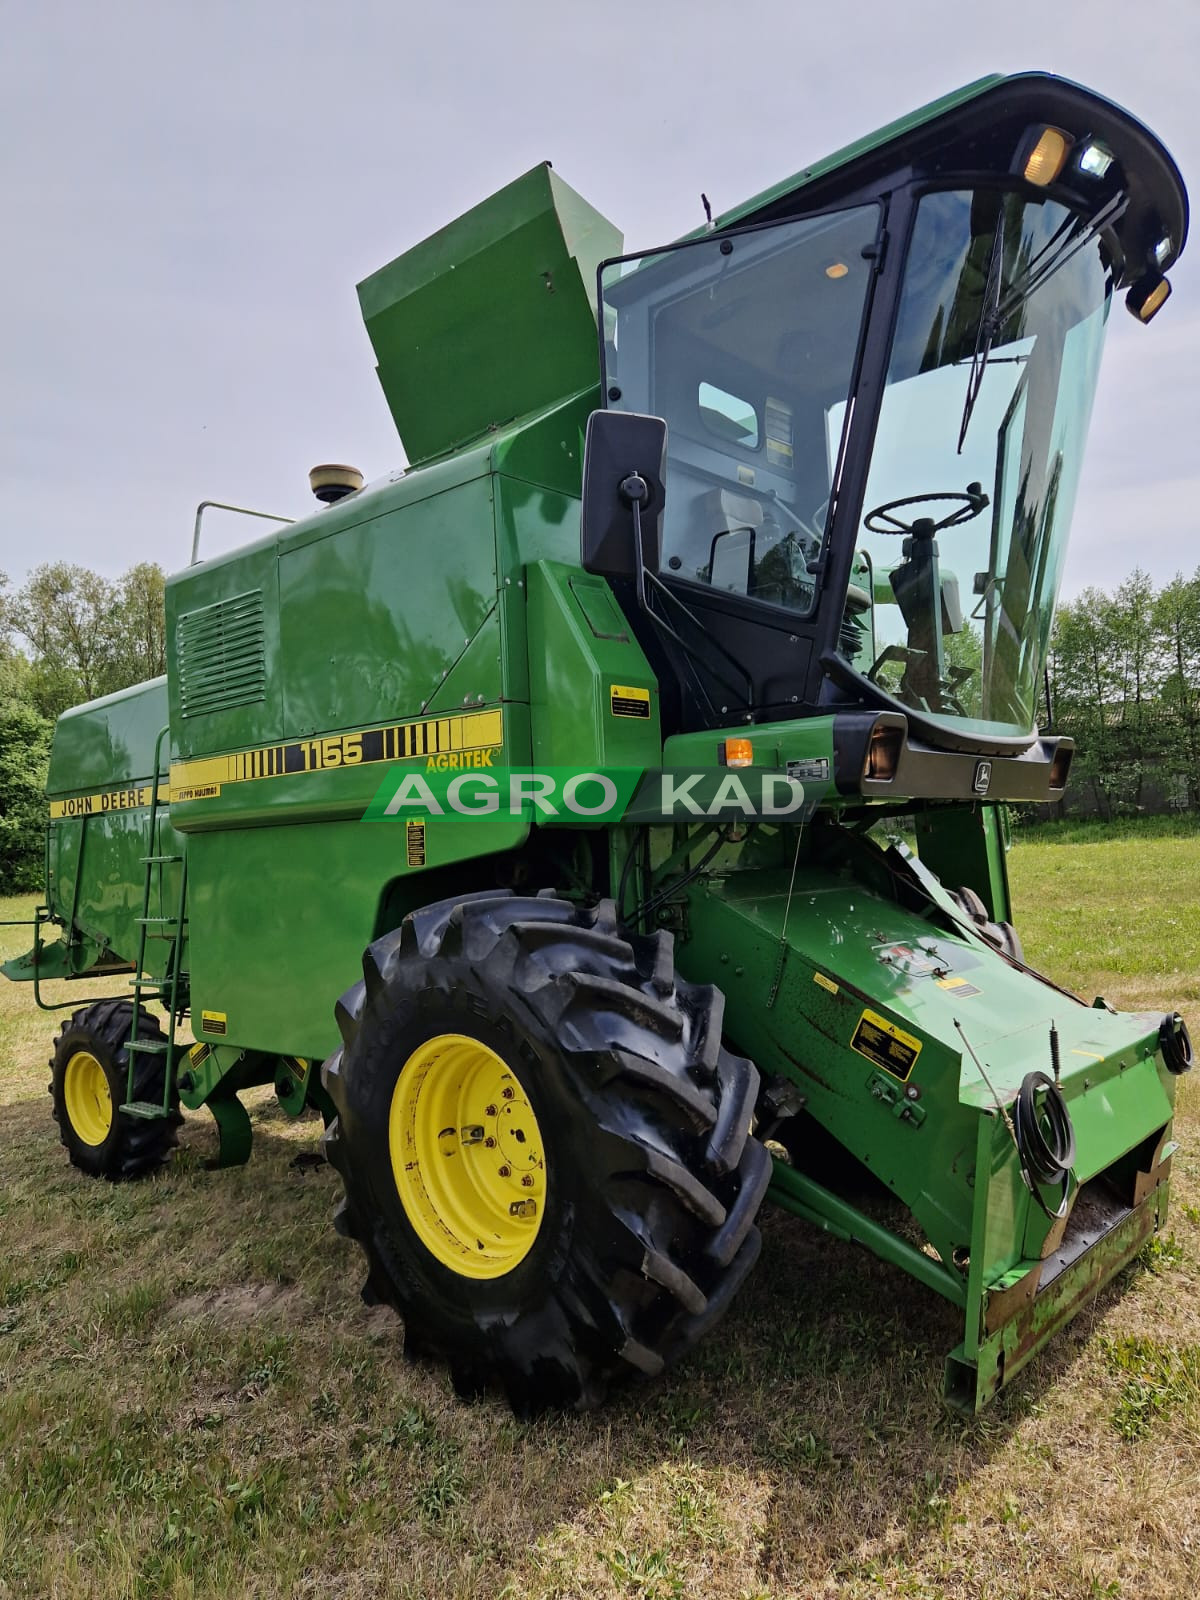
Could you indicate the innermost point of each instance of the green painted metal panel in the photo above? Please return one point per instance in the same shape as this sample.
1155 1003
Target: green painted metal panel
96 874
104 744
965 845
223 661
547 453
99 789
374 616
796 1000
575 658
281 916
492 317
477 677
537 518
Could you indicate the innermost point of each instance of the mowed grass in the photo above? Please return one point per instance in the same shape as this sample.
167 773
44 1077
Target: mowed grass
194 1401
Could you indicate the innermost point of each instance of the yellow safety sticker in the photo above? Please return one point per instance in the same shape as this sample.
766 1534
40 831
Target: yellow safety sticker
958 987
471 740
415 842
214 1021
199 1053
777 415
825 983
625 701
94 805
886 1045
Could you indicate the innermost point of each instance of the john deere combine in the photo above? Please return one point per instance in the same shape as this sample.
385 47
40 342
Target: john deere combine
787 499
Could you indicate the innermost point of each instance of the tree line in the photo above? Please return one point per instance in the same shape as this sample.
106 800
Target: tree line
1124 682
66 635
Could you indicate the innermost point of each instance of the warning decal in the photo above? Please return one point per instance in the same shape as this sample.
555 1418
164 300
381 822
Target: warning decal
214 1021
415 840
886 1045
627 702
958 987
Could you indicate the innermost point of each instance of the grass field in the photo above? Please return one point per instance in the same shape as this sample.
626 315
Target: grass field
194 1401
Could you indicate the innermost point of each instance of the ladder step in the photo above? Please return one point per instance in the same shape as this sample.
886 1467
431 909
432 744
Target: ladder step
148 1110
155 860
149 1047
155 920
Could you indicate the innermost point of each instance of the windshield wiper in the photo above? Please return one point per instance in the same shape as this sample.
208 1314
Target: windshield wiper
989 326
1063 245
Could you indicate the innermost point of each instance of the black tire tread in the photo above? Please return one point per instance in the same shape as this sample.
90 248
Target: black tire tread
143 1145
669 1114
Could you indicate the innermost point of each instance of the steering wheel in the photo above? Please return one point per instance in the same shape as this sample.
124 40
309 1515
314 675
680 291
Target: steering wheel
971 505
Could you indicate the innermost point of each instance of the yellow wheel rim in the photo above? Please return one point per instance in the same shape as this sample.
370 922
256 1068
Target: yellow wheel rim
467 1156
88 1099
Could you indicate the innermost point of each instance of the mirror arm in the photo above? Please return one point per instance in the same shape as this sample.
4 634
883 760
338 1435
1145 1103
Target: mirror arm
635 491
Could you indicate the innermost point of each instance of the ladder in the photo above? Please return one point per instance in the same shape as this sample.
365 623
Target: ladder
167 988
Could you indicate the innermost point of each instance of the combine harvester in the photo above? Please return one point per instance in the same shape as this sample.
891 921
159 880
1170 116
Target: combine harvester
790 495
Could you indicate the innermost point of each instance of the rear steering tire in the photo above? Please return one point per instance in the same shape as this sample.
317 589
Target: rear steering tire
89 1071
545 1149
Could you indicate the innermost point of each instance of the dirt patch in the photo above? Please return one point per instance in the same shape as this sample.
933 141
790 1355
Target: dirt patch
239 1302
380 1323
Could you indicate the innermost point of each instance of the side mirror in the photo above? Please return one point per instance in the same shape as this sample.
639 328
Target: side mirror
624 491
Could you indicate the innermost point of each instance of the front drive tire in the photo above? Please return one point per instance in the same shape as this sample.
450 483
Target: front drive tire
545 1148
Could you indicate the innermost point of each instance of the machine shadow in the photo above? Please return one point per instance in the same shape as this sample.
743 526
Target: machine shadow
826 1376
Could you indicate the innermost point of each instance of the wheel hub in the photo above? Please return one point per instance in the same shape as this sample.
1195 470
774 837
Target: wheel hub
467 1156
87 1097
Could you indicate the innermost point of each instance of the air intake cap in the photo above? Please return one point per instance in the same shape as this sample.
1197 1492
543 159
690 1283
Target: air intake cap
330 482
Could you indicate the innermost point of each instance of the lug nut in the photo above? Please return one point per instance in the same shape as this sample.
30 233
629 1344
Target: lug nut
527 1182
489 1111
508 1094
489 1144
506 1172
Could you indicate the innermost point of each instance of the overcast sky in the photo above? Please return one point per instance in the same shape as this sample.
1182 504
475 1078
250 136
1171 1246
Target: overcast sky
190 193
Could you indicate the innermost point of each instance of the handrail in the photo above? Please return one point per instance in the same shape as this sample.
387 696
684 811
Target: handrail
223 505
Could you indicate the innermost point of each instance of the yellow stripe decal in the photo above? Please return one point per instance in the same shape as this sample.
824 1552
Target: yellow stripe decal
94 805
205 778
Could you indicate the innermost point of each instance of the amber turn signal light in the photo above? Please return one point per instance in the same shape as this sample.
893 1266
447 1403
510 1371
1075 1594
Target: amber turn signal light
1148 296
1060 767
1048 156
883 752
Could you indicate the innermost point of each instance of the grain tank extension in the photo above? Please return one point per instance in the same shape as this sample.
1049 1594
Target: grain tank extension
779 509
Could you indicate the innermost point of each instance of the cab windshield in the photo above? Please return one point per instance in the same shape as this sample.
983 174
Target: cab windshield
746 344
981 431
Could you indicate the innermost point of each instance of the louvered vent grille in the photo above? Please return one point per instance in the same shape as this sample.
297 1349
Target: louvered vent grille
222 659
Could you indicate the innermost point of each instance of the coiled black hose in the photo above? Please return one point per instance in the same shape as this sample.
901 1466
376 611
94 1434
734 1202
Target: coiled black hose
1045 1139
1175 1043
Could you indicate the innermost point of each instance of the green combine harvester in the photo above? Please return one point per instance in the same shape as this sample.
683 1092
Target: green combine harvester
786 500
